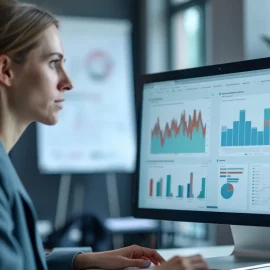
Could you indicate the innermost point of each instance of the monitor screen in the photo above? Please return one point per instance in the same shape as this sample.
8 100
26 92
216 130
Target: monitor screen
205 141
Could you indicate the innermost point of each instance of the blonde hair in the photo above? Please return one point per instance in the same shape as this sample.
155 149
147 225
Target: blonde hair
21 26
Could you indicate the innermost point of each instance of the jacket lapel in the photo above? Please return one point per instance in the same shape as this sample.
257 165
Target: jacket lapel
30 212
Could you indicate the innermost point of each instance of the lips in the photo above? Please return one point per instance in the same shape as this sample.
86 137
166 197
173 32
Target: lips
59 103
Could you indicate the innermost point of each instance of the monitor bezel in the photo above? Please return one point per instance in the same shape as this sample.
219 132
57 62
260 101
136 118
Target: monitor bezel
187 215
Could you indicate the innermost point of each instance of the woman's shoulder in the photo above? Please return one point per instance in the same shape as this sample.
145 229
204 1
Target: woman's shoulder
6 175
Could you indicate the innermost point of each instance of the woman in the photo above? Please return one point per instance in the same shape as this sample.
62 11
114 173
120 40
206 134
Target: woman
32 86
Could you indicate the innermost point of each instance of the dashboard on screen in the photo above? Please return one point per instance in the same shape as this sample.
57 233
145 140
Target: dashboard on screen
205 144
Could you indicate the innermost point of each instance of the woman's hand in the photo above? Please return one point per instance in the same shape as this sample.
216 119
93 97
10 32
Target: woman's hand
184 263
132 256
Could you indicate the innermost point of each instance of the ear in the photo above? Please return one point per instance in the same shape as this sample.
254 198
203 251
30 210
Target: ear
6 74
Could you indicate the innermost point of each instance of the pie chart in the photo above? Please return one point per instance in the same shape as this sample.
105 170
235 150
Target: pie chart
227 191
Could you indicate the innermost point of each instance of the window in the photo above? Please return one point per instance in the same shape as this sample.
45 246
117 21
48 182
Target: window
187 33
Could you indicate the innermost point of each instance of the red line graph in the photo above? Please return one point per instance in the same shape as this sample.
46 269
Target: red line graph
187 127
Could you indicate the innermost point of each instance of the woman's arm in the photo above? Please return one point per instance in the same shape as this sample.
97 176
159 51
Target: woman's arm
59 260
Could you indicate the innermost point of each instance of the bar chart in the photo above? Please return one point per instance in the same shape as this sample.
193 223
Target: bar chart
190 188
190 194
202 194
243 133
158 192
231 175
169 186
176 186
244 124
159 187
178 190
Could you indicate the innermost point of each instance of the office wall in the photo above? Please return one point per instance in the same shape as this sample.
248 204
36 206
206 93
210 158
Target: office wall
235 29
156 36
224 31
43 189
257 23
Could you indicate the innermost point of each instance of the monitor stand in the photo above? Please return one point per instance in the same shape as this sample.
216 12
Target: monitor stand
251 249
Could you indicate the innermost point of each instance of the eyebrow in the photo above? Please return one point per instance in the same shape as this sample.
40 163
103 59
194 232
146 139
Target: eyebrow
60 55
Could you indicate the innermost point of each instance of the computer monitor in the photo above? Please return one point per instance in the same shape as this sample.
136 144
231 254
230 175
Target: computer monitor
204 149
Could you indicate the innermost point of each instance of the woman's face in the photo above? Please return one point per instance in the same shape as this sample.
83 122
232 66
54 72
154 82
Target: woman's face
38 85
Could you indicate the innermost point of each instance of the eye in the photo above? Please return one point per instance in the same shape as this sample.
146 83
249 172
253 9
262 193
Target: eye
53 63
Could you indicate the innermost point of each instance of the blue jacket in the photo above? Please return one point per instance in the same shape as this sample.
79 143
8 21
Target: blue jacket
20 244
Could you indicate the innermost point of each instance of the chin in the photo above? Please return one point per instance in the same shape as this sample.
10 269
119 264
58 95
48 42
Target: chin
49 121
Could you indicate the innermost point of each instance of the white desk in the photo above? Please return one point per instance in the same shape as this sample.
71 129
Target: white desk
206 252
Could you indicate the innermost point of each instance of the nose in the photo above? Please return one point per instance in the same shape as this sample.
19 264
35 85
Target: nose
65 84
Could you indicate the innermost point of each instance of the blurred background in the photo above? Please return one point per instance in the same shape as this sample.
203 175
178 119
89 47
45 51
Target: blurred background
92 205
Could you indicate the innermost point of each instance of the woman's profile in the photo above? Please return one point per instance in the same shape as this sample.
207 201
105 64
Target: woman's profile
33 83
